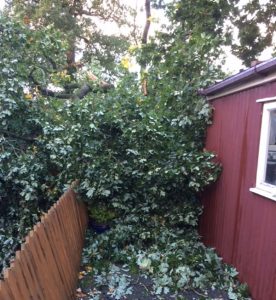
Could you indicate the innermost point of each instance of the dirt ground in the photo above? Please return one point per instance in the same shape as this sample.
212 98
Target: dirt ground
142 289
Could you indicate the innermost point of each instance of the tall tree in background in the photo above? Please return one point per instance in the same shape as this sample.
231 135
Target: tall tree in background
188 46
248 27
88 46
256 24
81 22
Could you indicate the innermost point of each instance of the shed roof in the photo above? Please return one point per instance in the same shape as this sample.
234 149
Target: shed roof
255 75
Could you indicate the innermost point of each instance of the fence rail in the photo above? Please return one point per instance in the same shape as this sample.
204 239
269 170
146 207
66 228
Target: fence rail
46 267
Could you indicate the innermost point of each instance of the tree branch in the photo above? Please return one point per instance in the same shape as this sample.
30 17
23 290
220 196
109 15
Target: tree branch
86 12
144 42
135 26
148 21
18 137
111 15
85 89
52 62
86 40
46 91
81 93
50 93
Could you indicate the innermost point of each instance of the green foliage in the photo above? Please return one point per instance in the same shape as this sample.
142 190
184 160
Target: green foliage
141 156
248 27
101 214
80 23
153 165
118 283
23 170
255 21
140 152
168 251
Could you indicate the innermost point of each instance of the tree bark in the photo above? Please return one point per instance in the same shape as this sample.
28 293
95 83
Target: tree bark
81 93
148 21
144 42
15 136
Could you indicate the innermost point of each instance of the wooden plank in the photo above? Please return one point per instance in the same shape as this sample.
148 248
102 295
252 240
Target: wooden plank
74 233
47 266
22 281
11 284
36 291
14 282
43 246
53 249
79 237
66 247
28 277
60 256
67 226
4 291
36 268
16 270
44 266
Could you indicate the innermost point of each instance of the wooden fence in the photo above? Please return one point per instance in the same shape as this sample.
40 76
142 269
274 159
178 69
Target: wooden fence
47 266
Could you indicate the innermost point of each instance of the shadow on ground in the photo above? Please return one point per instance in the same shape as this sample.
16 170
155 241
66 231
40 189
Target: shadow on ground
141 289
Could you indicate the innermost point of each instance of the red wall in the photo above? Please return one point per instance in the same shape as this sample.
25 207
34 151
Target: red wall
239 224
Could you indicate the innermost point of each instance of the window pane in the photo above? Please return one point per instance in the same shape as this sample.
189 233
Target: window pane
270 176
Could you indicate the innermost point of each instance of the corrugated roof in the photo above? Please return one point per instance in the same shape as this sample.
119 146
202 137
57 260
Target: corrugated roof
255 72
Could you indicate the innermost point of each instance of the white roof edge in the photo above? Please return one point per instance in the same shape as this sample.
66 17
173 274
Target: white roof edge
244 86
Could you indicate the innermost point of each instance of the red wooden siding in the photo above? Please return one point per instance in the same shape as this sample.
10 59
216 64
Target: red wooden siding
239 224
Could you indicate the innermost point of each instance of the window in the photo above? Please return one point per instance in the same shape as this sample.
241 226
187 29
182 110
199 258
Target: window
266 171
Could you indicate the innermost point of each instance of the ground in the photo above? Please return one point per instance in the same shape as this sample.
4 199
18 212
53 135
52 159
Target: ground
141 289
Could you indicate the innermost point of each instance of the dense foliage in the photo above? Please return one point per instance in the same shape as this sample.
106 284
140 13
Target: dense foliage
81 24
246 27
255 21
21 173
141 156
162 246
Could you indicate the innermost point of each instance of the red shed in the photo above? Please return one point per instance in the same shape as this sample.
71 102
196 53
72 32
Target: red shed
239 218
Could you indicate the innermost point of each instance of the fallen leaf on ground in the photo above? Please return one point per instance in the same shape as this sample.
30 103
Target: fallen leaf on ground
79 293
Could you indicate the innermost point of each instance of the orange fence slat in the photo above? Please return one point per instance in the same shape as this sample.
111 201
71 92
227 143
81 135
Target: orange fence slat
4 291
46 267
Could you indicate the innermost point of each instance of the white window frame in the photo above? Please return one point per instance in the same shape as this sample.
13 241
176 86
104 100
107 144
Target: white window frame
263 188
